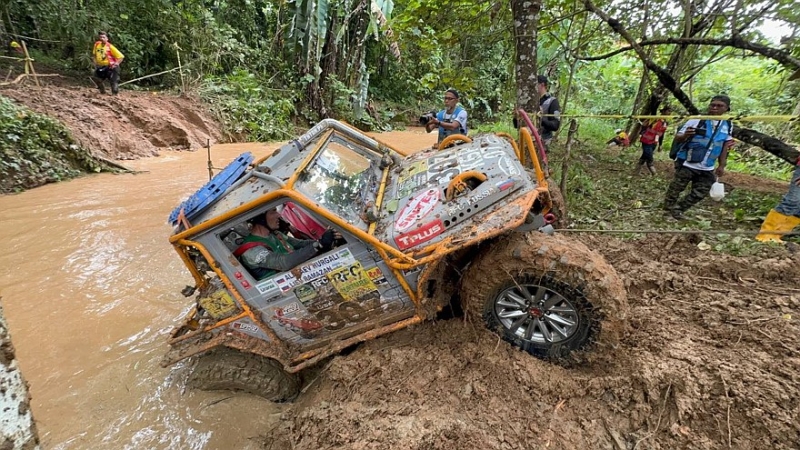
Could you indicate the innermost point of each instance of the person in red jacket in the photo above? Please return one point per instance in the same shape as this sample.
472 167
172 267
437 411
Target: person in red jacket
106 63
652 134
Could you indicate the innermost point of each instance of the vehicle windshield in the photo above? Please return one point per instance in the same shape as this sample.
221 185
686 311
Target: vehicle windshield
341 180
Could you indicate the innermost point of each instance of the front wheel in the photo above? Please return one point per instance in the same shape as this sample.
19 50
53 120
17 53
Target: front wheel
227 369
545 294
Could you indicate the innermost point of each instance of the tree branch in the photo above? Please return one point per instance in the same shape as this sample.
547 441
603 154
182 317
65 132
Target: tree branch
752 137
782 56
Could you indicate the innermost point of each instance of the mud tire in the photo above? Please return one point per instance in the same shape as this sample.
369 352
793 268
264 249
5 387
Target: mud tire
227 369
569 268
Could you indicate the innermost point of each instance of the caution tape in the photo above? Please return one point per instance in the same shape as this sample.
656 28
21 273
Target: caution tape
728 232
679 117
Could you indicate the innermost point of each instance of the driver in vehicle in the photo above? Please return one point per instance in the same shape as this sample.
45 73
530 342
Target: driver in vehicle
268 250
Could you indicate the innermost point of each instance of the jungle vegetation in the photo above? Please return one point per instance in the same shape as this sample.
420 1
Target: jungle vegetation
377 63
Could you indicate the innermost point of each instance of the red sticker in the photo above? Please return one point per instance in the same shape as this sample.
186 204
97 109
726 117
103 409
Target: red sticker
422 234
416 208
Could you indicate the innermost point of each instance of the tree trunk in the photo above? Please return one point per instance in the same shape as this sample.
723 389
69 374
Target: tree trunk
526 17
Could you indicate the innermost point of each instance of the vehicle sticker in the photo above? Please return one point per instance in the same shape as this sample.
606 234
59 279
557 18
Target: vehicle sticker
219 304
268 288
503 185
305 293
422 234
416 209
412 184
314 269
295 319
442 168
249 327
481 195
470 159
507 166
352 282
376 275
419 167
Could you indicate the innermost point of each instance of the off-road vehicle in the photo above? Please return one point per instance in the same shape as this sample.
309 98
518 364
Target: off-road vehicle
419 232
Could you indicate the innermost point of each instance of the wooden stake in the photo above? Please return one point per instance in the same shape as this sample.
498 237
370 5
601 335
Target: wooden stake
29 64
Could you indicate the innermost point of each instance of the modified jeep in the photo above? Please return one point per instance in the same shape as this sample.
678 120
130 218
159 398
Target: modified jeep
461 227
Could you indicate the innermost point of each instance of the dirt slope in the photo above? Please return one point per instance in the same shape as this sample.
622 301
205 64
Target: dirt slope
127 126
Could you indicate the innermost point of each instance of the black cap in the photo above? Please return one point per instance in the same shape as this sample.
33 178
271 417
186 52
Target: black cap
454 92
543 80
724 99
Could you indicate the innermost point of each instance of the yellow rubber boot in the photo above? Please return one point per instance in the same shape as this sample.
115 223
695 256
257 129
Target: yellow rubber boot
776 221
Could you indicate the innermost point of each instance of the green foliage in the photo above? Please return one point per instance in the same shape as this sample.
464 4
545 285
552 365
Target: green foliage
248 108
603 193
35 150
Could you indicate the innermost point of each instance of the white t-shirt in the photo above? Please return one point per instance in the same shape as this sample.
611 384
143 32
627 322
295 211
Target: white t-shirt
693 123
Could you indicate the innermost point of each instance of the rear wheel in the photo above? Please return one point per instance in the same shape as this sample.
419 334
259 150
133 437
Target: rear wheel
545 294
224 368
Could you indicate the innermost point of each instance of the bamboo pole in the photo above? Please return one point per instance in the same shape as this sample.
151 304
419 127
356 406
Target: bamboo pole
151 75
29 65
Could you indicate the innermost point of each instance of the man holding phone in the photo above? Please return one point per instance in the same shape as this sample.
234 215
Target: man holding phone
705 143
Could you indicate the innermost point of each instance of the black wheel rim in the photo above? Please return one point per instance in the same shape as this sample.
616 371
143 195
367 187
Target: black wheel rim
536 313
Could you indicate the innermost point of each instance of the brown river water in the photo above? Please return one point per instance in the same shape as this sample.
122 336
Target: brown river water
91 287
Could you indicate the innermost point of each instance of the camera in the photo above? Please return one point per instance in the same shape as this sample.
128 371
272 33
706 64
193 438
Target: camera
700 130
427 117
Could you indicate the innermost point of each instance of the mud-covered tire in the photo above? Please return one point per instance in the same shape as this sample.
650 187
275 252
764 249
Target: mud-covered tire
579 280
227 369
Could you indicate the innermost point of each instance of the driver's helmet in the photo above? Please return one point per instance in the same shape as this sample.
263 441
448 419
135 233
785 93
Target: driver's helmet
233 240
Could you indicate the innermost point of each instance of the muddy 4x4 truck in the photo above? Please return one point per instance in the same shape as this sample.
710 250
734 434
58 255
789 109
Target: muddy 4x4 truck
420 233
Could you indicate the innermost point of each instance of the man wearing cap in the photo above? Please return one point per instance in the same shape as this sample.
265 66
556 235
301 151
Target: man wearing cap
551 110
267 250
452 119
705 143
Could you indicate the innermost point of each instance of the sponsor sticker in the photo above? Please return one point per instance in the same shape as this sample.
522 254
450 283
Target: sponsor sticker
416 209
420 235
376 275
305 293
352 282
249 327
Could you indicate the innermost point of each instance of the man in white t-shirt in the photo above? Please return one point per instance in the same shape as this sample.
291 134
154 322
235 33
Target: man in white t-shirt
706 143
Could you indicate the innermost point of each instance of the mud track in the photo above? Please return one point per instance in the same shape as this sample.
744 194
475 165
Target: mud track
709 361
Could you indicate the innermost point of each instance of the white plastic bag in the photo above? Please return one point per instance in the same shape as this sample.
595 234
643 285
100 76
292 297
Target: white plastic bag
717 191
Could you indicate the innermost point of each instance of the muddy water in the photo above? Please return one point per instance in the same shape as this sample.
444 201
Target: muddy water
91 287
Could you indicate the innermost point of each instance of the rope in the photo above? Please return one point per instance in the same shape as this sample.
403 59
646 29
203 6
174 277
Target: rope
681 117
731 232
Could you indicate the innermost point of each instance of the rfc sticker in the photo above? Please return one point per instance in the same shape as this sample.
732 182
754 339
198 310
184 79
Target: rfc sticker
416 209
352 282
420 235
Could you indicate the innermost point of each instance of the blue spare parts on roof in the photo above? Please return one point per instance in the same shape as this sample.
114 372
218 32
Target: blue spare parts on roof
209 193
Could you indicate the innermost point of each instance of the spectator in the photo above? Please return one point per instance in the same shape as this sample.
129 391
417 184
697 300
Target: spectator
106 63
652 135
706 143
548 106
452 119
786 215
620 138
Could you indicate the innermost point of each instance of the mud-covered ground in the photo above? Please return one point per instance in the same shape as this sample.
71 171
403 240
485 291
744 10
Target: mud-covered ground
708 357
130 125
709 360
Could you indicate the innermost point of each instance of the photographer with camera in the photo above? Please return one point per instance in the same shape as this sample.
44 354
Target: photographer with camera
451 120
704 143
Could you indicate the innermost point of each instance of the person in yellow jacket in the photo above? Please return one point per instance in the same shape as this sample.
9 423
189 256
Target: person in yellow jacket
784 217
106 63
